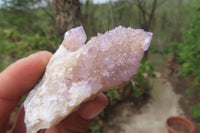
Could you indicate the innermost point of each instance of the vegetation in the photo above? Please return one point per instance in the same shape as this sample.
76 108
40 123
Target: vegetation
142 84
189 50
189 55
195 111
94 128
23 33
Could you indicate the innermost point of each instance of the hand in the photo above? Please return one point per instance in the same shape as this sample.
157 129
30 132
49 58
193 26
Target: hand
19 78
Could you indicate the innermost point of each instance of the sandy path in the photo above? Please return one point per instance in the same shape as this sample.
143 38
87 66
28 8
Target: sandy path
164 103
152 117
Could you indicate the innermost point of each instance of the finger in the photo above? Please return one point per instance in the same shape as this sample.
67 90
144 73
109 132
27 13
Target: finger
80 120
19 125
93 108
18 79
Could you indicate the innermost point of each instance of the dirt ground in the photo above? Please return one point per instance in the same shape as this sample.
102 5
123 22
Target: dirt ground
180 85
150 118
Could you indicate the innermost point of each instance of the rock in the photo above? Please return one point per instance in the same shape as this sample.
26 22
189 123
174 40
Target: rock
77 72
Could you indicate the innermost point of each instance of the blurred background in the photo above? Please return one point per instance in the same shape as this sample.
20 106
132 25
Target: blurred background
168 81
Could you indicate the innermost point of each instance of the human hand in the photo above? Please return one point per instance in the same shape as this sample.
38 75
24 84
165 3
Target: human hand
19 78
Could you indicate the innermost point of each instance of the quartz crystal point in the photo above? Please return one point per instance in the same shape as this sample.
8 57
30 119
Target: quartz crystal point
77 71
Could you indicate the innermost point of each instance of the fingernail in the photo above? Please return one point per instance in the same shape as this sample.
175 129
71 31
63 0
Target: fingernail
44 54
39 52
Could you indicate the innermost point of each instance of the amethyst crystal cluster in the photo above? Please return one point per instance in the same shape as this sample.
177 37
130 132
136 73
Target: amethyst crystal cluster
77 71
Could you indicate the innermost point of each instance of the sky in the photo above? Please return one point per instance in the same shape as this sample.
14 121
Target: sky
100 1
95 1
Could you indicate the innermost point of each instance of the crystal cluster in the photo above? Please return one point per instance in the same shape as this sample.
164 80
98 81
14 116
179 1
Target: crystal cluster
77 71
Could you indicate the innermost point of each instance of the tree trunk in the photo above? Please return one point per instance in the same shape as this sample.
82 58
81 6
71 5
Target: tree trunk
111 14
68 15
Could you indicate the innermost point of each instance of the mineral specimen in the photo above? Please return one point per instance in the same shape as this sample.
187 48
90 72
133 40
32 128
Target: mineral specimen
77 71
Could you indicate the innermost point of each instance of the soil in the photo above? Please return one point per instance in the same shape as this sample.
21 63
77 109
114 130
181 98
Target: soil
115 116
180 86
179 128
149 116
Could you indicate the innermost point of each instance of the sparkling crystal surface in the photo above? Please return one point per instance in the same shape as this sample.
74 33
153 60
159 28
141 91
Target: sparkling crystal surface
77 71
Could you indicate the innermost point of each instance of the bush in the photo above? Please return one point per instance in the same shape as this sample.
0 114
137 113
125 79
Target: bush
189 55
195 111
190 49
15 45
94 128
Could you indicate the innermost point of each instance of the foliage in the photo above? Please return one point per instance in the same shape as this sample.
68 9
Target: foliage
189 50
142 85
112 93
94 128
16 45
195 111
189 55
24 32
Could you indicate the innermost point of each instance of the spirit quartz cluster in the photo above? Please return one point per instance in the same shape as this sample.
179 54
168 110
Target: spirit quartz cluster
77 71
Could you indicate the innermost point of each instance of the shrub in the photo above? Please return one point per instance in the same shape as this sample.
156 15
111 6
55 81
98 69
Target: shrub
195 111
15 45
189 55
190 50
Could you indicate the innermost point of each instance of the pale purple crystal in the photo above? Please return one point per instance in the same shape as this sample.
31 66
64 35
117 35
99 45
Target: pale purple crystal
77 71
75 36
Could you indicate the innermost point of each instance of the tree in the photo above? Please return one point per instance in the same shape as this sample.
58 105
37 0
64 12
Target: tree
147 15
24 15
68 15
111 14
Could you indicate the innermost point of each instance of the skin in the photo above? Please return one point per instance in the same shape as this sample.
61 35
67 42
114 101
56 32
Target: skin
19 78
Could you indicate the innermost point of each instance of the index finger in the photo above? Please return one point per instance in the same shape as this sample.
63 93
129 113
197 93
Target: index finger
20 77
